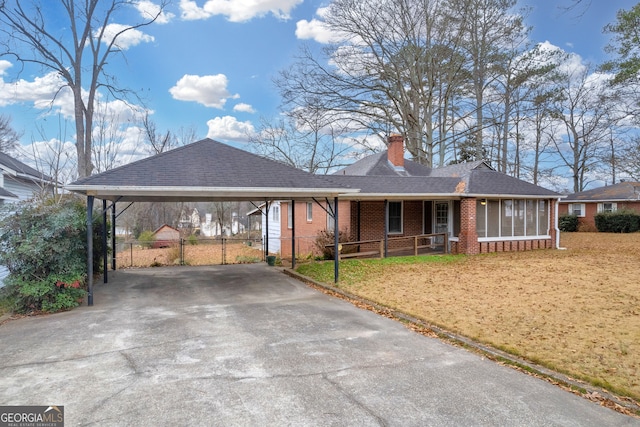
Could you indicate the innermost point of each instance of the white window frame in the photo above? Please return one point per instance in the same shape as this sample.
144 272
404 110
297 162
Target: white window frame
603 209
309 211
523 237
290 215
572 209
275 213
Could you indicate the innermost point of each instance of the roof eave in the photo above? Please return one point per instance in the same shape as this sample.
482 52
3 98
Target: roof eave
204 193
440 196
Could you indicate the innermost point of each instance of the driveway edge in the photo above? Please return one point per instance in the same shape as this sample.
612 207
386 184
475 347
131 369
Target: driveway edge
604 398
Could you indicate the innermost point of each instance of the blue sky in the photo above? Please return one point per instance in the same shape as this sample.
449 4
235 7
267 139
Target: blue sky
209 65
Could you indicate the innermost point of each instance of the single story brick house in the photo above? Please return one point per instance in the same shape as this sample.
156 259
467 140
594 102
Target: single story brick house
481 210
610 198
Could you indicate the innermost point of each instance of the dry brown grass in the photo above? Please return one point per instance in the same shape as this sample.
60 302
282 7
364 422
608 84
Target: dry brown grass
574 310
204 253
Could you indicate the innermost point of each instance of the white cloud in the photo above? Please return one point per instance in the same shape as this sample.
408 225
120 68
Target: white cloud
41 91
129 38
238 10
317 30
210 91
149 10
243 108
229 128
4 65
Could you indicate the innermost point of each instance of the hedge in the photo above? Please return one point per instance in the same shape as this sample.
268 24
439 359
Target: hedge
568 223
618 222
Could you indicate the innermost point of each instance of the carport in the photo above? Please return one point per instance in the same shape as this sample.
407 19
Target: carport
204 171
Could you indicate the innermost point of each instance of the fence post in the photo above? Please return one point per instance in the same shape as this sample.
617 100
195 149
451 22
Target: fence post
381 249
131 251
181 251
415 245
223 251
446 243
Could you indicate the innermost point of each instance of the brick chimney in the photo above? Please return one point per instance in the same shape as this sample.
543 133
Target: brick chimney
395 151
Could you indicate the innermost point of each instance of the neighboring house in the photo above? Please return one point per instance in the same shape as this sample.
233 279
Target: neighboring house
165 236
210 228
19 182
586 204
480 209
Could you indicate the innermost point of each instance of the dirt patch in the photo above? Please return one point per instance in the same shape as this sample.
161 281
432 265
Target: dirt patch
204 253
575 310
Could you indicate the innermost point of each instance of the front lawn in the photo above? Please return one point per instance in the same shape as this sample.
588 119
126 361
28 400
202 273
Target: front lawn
576 311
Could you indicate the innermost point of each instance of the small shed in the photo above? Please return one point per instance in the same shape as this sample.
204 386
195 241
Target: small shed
165 236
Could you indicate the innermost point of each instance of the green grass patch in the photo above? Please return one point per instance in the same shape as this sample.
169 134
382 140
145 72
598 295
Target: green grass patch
356 270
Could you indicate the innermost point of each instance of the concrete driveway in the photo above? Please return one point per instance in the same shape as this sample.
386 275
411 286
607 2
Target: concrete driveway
247 345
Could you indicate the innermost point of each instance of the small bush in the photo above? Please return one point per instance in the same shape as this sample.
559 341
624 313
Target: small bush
325 241
173 255
192 239
618 222
146 239
568 223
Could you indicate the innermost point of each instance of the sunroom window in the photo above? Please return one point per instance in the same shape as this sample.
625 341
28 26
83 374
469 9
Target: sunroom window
512 218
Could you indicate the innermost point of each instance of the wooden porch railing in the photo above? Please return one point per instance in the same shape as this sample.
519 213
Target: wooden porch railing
376 247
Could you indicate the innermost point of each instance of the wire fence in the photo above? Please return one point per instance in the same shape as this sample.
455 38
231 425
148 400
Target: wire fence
191 251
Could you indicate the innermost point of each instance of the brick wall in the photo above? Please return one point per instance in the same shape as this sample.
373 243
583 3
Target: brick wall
468 237
307 231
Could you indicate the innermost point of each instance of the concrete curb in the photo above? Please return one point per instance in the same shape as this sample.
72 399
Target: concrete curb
587 391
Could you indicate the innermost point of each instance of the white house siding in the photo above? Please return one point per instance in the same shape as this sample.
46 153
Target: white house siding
274 228
22 190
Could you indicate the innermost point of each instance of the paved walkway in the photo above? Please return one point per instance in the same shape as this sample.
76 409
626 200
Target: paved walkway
245 345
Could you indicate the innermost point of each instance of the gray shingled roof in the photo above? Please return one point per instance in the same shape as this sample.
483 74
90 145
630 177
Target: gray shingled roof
210 170
623 191
418 187
23 171
378 165
206 170
492 183
376 178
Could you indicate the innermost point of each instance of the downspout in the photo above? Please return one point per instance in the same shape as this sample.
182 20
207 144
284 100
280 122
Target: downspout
557 228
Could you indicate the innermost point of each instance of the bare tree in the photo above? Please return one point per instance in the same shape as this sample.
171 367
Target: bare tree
76 42
395 67
160 142
492 30
584 107
107 139
9 138
628 157
306 138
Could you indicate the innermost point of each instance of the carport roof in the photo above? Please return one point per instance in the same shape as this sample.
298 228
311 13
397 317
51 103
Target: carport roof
206 170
